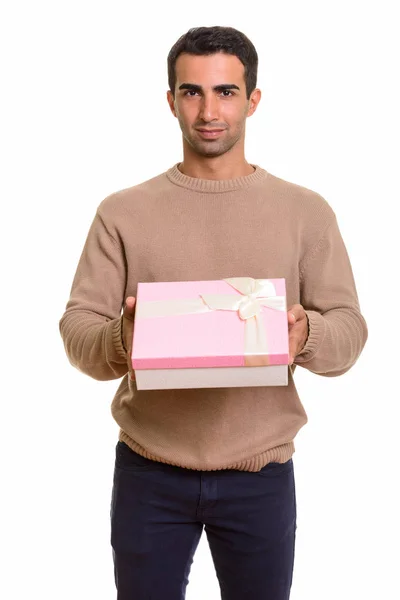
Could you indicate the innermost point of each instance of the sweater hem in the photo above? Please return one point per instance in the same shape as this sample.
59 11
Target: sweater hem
279 454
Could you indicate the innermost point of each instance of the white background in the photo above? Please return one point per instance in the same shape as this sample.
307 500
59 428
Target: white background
84 114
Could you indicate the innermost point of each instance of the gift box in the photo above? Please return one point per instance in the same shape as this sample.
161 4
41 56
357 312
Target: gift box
208 334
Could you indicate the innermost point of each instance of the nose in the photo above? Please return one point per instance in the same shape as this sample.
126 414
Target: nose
209 108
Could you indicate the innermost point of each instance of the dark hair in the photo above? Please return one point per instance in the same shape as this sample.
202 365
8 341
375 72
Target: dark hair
210 40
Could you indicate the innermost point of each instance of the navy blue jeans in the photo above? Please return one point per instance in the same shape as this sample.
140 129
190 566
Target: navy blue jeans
158 513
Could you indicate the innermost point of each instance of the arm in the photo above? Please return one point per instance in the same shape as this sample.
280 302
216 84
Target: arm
91 324
337 330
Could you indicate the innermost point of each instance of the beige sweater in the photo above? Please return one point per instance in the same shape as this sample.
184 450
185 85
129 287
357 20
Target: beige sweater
176 228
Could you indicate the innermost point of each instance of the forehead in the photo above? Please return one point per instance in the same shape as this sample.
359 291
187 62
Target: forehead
209 70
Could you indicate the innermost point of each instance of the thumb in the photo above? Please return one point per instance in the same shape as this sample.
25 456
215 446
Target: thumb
129 308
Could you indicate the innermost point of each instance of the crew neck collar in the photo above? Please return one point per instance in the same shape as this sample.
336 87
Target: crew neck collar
215 185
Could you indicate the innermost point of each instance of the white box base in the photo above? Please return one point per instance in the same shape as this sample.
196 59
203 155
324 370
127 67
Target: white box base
215 377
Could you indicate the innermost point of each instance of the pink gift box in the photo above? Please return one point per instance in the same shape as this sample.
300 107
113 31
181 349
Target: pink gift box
200 334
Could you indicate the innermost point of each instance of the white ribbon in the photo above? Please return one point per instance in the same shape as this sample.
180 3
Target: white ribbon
255 293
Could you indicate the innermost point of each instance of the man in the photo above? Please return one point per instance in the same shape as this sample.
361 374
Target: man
219 459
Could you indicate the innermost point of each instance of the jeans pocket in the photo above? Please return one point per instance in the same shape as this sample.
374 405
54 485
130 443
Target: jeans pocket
129 460
274 468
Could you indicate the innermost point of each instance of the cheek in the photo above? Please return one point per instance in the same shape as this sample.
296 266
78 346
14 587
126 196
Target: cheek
184 113
234 114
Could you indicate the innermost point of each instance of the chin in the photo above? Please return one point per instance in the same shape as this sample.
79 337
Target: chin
212 154
208 151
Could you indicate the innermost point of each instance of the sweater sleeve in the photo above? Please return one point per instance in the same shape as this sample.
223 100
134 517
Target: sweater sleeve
337 330
91 324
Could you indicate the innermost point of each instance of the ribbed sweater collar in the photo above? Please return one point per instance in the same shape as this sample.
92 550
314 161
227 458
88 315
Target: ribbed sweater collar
215 185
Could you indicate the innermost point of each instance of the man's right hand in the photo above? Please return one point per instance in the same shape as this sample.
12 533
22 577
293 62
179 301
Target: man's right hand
128 317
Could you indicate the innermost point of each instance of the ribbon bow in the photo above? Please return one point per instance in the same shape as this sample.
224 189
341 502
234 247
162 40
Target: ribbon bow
255 294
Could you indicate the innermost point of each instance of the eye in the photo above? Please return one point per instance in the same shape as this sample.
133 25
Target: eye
190 93
227 93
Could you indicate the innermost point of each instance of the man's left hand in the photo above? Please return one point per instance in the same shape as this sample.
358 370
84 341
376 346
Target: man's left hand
298 330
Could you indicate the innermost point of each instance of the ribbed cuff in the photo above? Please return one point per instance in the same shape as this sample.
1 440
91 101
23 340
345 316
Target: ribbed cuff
316 324
116 336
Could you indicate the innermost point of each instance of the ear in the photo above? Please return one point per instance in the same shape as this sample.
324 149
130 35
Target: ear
254 99
171 102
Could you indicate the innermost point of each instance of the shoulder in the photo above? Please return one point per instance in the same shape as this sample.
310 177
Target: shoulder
307 212
124 200
301 200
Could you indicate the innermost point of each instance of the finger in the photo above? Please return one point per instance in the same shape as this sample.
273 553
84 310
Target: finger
291 313
130 301
129 307
293 344
297 311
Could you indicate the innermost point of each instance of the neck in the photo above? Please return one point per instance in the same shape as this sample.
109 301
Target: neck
226 166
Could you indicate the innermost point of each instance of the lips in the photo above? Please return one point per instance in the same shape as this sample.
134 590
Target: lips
210 133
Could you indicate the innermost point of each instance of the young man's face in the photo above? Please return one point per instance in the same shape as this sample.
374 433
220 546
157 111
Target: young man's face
210 102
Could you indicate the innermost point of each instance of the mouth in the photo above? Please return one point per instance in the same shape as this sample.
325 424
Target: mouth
210 133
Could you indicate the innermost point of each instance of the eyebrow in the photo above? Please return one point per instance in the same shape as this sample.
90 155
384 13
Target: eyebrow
217 88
